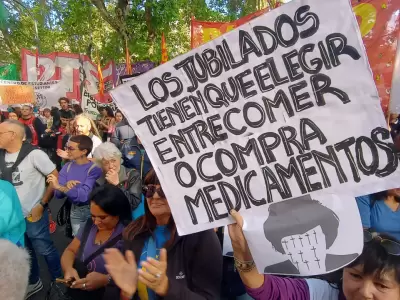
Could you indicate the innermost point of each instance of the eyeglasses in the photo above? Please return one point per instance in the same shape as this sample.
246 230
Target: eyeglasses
150 190
391 247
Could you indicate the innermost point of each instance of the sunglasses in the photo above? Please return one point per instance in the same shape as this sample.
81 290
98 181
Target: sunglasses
391 247
150 190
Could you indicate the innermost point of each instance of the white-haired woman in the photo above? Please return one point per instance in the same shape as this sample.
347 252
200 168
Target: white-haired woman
14 266
128 180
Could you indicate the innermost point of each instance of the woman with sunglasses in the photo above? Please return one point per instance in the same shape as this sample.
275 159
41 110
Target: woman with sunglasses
170 266
375 274
82 261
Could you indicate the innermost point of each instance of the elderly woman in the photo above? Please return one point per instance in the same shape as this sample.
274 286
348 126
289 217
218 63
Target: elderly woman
128 180
82 261
171 266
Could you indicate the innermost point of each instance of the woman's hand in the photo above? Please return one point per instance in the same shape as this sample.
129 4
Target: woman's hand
93 281
70 184
239 244
70 274
123 270
52 179
154 276
112 177
63 154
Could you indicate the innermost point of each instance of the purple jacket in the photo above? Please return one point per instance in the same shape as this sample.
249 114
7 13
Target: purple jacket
87 174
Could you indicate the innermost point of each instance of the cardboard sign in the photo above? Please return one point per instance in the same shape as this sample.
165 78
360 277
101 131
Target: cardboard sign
278 108
16 94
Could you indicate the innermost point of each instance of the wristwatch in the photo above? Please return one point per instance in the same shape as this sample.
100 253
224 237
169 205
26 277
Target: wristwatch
45 205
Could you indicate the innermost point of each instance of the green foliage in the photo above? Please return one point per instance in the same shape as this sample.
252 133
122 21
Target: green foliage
103 26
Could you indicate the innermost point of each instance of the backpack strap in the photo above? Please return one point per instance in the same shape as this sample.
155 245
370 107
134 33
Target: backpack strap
101 249
25 150
91 168
2 161
86 232
69 166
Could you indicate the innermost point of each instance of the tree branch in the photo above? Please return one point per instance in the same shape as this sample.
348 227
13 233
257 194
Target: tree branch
118 24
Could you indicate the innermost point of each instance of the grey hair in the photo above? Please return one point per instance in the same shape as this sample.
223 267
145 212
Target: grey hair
107 151
14 266
20 127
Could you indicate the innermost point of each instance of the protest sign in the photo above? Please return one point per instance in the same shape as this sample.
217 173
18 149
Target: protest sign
47 92
379 26
90 105
16 94
280 107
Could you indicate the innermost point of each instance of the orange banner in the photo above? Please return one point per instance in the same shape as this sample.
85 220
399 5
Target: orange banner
379 25
16 94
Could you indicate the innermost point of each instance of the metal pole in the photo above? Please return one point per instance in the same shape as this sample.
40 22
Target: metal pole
37 37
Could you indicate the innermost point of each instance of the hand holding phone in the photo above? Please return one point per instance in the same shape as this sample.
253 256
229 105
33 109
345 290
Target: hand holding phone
68 282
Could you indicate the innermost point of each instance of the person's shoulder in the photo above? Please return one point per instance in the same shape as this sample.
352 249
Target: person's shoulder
320 289
6 186
366 199
38 153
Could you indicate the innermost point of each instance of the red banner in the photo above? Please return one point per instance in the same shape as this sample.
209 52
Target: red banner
379 25
75 72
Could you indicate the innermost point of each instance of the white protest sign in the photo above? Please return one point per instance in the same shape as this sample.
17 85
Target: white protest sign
47 92
308 235
280 107
90 105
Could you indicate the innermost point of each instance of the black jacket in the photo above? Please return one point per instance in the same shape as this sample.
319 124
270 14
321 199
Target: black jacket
194 265
130 184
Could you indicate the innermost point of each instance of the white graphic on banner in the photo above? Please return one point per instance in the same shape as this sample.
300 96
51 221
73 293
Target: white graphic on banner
75 72
308 235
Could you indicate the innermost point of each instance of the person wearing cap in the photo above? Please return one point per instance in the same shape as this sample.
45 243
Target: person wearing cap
36 126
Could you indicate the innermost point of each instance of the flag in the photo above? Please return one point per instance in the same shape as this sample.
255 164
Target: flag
101 80
164 54
3 15
128 61
9 72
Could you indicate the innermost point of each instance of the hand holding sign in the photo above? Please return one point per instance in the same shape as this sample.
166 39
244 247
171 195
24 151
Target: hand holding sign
239 243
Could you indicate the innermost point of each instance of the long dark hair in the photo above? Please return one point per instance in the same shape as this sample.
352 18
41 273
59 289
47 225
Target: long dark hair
382 196
109 111
113 201
147 223
376 260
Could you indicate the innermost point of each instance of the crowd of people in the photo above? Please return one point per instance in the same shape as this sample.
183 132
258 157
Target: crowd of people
124 242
